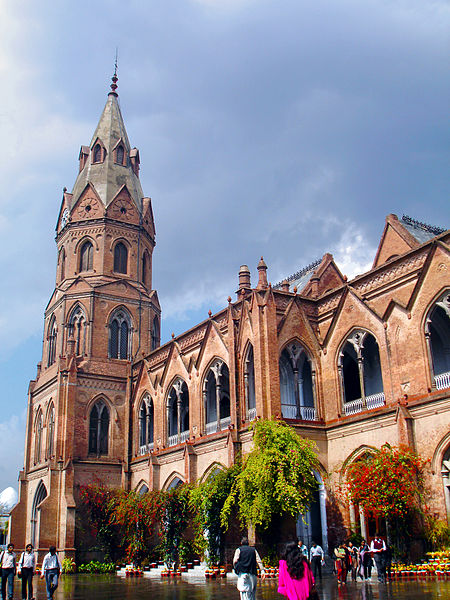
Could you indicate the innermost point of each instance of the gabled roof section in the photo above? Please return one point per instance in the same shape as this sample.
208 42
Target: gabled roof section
107 176
400 236
299 279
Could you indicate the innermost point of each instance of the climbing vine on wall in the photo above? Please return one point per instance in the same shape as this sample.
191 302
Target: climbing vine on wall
276 478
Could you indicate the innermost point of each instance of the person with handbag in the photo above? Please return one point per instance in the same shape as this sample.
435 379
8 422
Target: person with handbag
244 562
51 568
26 570
295 579
8 563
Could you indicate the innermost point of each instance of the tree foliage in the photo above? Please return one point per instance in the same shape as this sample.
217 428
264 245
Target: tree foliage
276 478
388 482
175 517
99 503
206 502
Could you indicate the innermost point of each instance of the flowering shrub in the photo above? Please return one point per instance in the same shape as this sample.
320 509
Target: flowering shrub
99 503
387 482
175 515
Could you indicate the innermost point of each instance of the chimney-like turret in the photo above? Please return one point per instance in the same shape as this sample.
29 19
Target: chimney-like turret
244 279
262 273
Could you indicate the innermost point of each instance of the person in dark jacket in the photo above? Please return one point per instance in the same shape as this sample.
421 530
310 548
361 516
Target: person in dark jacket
244 562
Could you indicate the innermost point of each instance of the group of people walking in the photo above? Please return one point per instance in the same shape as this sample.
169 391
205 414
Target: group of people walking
25 569
358 561
295 578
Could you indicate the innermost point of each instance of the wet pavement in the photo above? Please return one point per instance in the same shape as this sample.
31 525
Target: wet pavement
104 587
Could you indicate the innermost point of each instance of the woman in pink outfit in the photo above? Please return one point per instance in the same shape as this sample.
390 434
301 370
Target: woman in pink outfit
295 577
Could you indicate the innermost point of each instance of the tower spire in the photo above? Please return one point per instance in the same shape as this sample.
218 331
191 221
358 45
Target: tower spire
114 78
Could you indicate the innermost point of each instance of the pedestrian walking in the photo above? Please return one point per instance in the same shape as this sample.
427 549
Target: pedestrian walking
353 559
9 566
26 570
51 568
365 561
316 557
341 563
303 549
378 549
295 579
244 562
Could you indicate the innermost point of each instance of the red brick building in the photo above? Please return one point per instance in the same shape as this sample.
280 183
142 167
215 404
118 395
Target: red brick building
349 364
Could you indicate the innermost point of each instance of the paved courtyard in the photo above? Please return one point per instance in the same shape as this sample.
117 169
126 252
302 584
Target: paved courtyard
92 587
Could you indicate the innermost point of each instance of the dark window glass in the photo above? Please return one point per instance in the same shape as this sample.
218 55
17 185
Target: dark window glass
93 428
120 258
86 257
124 340
97 153
114 339
120 155
104 427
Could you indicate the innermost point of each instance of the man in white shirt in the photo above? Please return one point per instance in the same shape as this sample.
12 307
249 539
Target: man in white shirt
316 558
378 549
51 568
8 562
26 570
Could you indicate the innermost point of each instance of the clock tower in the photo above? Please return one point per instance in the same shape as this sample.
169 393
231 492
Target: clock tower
102 315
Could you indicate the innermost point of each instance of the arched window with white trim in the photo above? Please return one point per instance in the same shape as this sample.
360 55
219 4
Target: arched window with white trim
249 384
216 397
146 425
437 335
77 327
178 413
297 384
38 432
360 373
99 429
120 335
52 337
51 432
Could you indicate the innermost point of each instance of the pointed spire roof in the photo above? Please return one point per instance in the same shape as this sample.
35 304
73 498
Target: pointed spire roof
108 177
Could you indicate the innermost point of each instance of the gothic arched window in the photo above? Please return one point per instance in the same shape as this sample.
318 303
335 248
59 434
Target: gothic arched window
145 268
97 154
178 413
50 432
120 335
120 153
360 373
249 384
52 339
120 258
146 425
297 387
62 264
86 256
216 397
437 335
38 429
77 330
99 429
155 333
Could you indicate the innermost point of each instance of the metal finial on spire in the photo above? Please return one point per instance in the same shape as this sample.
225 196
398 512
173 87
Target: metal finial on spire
114 78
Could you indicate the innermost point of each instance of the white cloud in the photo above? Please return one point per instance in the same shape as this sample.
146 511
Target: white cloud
12 435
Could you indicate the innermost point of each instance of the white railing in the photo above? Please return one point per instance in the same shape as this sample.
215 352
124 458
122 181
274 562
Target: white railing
307 413
145 449
251 414
211 427
224 423
357 406
442 381
184 436
375 400
353 407
173 440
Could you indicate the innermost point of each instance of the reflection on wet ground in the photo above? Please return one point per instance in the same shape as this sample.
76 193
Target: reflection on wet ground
101 587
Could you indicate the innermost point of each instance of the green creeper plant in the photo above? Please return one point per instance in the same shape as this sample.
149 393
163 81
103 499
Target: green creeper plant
276 478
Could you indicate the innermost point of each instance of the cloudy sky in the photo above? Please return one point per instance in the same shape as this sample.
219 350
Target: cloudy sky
283 128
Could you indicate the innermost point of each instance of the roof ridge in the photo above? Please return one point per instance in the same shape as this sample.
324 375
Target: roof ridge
430 228
299 273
